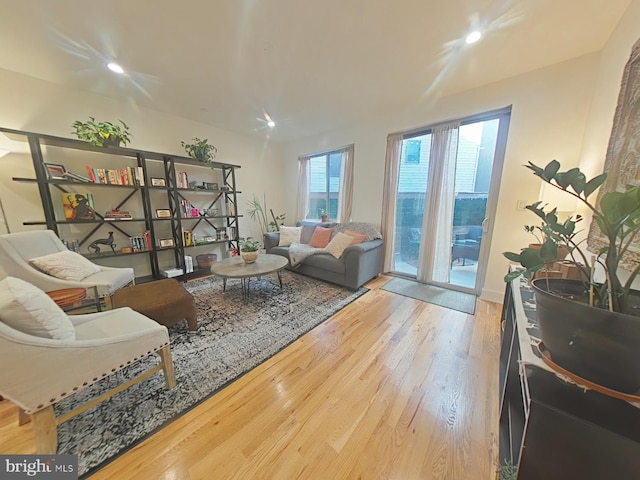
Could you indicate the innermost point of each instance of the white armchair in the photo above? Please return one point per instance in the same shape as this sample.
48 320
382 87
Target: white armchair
37 372
16 249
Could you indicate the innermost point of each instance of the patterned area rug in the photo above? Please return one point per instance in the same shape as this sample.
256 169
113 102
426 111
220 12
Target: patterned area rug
233 337
463 302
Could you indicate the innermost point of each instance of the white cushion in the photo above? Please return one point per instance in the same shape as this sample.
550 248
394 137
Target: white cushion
289 235
338 244
28 309
66 265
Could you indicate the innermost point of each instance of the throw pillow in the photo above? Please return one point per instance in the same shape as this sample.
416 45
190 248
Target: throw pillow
357 237
338 244
289 235
66 265
321 237
26 308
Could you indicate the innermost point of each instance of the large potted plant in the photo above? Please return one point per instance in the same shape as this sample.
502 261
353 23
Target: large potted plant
591 328
102 134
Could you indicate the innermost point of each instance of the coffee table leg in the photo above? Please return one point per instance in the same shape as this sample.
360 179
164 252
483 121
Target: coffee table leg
244 283
280 278
224 284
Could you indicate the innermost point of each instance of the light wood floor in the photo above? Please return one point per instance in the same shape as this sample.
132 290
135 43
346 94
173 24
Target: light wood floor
389 388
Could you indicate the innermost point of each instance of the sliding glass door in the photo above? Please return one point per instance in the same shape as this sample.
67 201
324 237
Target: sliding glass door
447 190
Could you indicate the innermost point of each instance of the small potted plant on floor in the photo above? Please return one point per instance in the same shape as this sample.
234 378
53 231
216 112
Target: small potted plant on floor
200 150
592 327
249 249
102 134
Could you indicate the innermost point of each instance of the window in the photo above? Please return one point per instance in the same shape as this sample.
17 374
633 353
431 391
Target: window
324 185
413 151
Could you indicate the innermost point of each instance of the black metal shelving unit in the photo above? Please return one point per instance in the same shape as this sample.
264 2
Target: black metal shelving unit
227 195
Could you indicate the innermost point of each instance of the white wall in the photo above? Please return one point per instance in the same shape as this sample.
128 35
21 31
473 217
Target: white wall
549 113
613 59
34 105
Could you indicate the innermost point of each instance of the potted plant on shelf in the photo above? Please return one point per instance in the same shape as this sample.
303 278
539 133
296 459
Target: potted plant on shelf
200 150
591 328
102 134
249 249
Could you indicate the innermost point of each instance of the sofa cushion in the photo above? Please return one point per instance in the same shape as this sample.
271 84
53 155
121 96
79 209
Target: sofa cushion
357 237
325 261
308 227
26 308
321 237
338 244
66 265
289 235
367 229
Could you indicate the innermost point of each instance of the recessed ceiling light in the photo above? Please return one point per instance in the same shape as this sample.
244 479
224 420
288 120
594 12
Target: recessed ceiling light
114 67
271 123
473 37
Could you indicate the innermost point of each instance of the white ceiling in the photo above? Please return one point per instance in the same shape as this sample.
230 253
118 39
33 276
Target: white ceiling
312 65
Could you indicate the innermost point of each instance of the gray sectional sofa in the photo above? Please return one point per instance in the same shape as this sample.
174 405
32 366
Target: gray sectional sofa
357 265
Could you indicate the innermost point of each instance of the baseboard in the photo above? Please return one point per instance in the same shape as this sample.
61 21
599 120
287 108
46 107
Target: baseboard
492 296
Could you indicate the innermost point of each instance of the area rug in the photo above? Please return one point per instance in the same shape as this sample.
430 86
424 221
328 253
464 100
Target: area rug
233 336
463 302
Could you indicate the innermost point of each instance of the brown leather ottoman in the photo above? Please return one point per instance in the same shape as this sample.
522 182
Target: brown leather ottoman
166 301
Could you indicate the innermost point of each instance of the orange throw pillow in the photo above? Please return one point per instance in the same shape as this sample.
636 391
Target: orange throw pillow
321 237
357 237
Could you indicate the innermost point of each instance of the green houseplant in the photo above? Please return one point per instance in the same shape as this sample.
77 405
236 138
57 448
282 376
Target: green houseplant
258 212
200 150
591 327
102 134
249 249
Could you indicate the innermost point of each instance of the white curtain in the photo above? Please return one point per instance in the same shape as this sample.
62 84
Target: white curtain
389 196
302 203
434 262
346 186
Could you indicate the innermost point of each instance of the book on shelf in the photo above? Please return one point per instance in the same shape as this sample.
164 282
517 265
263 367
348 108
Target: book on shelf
75 176
188 264
117 215
187 238
78 207
182 179
92 174
141 243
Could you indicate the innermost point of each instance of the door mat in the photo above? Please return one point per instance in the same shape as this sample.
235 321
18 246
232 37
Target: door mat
463 302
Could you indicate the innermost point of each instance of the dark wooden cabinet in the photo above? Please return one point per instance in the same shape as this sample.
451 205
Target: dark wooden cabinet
552 429
160 185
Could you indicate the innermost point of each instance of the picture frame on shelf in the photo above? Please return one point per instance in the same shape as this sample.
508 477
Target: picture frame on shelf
166 242
158 182
163 213
78 207
55 171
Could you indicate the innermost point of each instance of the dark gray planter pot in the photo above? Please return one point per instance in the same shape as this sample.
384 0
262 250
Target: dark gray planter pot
597 345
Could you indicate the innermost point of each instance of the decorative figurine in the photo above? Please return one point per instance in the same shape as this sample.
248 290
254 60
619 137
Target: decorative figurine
95 246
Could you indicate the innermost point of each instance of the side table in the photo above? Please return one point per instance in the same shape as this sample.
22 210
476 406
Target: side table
70 299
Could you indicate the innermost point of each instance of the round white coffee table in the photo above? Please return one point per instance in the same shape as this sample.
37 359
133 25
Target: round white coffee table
235 267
